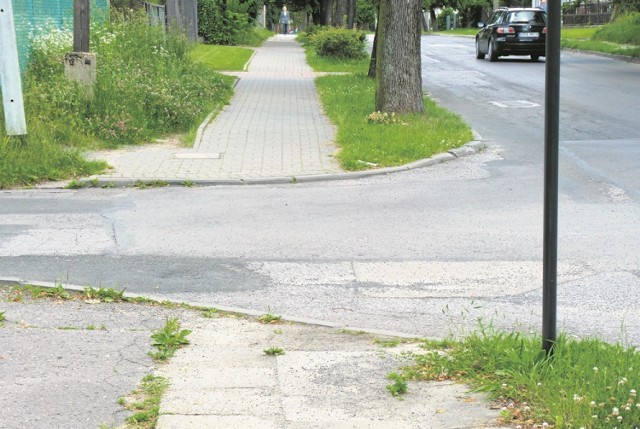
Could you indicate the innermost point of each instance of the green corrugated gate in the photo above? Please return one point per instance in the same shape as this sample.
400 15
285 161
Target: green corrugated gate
33 16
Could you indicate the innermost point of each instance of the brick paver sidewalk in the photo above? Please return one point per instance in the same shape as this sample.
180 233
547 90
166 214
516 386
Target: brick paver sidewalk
274 127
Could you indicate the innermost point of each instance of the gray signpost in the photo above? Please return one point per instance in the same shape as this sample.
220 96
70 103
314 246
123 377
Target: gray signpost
12 101
551 151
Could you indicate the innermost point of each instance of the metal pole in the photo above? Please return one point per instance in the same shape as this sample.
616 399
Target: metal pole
551 150
10 80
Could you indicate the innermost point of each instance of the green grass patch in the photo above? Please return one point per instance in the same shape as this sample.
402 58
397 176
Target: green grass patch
625 30
587 383
368 140
46 153
604 47
218 57
584 33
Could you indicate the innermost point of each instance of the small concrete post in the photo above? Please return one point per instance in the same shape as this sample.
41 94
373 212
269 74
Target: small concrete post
12 101
80 65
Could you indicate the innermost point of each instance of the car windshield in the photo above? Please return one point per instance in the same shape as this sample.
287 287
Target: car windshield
527 17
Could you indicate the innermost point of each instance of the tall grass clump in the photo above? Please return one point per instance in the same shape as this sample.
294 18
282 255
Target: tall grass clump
146 85
586 383
624 30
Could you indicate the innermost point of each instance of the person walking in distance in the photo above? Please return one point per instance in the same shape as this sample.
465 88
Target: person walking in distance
284 20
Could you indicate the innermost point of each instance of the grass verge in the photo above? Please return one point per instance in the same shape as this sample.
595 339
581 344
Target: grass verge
218 57
255 37
587 383
369 139
600 46
373 140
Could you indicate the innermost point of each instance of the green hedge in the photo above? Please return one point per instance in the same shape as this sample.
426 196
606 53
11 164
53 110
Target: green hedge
340 43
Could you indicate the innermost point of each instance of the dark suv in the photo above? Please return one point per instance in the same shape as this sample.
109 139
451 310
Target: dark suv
513 31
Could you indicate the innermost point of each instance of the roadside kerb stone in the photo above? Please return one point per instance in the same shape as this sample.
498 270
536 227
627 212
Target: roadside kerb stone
466 150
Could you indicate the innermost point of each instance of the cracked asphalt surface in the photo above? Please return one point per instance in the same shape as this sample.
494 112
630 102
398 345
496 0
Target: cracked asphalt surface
64 364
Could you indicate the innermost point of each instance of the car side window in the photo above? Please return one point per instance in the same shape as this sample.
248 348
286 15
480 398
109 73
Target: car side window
493 18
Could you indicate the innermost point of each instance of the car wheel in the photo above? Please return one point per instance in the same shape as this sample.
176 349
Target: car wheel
479 53
493 54
535 57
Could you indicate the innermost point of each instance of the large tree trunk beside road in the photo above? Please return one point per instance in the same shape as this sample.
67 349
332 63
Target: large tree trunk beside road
398 65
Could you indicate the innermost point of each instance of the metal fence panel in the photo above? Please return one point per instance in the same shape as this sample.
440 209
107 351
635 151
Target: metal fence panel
184 13
33 17
588 14
157 13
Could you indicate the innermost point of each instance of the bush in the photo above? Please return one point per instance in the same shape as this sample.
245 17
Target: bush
340 43
306 37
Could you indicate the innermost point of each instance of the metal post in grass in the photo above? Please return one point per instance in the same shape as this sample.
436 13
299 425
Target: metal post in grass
13 103
551 150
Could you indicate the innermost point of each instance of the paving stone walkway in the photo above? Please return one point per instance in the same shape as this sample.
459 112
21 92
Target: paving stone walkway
274 127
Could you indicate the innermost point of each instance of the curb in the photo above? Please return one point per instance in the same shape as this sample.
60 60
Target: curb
470 148
14 281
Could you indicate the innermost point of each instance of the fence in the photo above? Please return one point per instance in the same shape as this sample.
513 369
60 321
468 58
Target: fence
157 13
587 14
32 17
183 13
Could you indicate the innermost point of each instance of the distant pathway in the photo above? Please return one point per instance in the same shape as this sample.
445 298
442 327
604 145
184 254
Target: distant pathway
273 127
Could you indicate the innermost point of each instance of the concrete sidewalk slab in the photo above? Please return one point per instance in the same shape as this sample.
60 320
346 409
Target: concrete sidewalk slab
326 378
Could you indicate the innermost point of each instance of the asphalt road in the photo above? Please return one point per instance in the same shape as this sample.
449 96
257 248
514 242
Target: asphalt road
426 252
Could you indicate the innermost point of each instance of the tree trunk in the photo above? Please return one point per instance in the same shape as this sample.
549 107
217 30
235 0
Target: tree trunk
351 14
326 7
398 65
434 19
341 11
